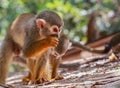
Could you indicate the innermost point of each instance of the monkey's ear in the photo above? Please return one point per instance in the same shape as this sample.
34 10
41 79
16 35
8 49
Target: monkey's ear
40 23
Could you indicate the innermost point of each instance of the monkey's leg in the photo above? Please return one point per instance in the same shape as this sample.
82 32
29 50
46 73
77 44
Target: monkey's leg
55 65
41 75
30 76
6 55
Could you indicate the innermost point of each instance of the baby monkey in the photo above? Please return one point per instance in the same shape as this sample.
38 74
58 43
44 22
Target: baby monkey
32 36
50 61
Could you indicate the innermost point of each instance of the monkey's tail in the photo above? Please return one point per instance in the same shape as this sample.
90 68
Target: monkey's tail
83 47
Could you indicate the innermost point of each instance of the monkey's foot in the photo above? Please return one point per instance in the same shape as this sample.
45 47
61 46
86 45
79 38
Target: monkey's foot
59 77
113 57
39 81
26 79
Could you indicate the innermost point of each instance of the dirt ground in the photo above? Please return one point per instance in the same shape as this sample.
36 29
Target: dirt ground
93 72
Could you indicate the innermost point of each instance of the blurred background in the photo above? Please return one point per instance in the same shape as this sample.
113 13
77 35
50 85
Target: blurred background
82 18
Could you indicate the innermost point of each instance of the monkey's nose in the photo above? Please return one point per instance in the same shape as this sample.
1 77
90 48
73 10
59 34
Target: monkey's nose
54 35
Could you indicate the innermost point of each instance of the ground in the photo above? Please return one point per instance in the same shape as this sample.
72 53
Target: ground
93 72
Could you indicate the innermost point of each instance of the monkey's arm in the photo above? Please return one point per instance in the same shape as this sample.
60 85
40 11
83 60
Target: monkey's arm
32 49
63 45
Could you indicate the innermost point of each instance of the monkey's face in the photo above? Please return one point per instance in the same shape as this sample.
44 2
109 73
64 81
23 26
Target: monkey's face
46 29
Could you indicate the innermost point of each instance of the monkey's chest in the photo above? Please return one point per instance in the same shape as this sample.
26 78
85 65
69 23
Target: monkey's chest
46 56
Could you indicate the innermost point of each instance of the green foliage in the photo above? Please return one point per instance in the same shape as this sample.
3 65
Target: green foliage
75 14
73 18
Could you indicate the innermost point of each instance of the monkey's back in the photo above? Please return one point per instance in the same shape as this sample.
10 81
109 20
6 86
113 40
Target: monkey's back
18 27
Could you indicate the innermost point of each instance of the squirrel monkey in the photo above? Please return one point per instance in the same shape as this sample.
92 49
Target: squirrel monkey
113 44
50 60
32 36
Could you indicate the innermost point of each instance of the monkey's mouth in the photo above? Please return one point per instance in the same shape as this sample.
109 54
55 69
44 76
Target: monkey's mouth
54 35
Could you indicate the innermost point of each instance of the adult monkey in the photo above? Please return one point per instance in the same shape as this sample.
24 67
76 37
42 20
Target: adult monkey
31 35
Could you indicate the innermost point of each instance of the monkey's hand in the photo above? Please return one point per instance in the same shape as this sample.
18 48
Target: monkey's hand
113 57
115 53
39 47
51 41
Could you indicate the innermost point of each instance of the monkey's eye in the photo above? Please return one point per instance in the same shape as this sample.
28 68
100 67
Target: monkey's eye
56 30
